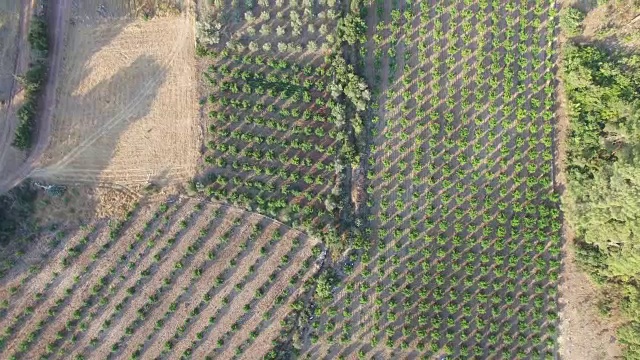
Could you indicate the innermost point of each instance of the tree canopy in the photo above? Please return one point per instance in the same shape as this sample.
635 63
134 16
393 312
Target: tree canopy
603 167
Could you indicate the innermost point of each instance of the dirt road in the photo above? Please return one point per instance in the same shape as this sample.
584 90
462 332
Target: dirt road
58 23
10 119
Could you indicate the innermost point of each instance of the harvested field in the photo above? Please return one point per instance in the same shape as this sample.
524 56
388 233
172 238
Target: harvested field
179 277
91 10
127 109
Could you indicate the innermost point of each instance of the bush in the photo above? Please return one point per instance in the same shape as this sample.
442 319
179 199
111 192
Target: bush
16 209
325 284
571 21
38 38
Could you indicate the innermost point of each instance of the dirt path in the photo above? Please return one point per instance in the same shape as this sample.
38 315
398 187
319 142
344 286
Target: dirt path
59 20
10 121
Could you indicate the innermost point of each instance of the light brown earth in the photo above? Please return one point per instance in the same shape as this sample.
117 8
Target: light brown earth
126 111
585 334
106 9
617 24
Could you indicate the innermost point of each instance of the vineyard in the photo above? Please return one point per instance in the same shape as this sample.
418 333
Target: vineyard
185 277
462 253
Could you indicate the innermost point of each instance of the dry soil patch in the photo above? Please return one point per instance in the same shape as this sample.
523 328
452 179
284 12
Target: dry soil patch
126 111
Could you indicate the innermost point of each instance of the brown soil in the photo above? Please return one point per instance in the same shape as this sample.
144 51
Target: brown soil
615 24
615 18
80 204
585 334
105 9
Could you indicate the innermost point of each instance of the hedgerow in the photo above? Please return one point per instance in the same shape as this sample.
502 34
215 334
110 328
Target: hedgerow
32 81
603 202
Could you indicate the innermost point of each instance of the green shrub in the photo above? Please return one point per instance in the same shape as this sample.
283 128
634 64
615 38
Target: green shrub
571 21
38 38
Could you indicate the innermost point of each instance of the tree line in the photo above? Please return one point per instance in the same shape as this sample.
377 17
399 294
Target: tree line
32 81
603 168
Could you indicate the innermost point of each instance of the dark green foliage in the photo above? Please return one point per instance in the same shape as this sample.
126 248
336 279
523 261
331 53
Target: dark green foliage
603 202
352 29
603 155
348 83
33 80
38 38
16 208
325 284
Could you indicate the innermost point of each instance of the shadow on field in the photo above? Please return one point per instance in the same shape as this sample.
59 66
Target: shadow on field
91 119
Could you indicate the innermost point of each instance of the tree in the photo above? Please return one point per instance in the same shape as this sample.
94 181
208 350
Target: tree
352 29
603 165
325 284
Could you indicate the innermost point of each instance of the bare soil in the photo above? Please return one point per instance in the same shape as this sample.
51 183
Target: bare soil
106 9
615 23
585 334
126 111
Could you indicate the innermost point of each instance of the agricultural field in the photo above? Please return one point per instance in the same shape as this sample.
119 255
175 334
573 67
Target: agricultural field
127 110
183 277
272 140
462 256
364 180
113 9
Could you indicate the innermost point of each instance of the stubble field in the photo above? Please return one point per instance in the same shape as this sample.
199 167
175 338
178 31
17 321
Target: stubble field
127 109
